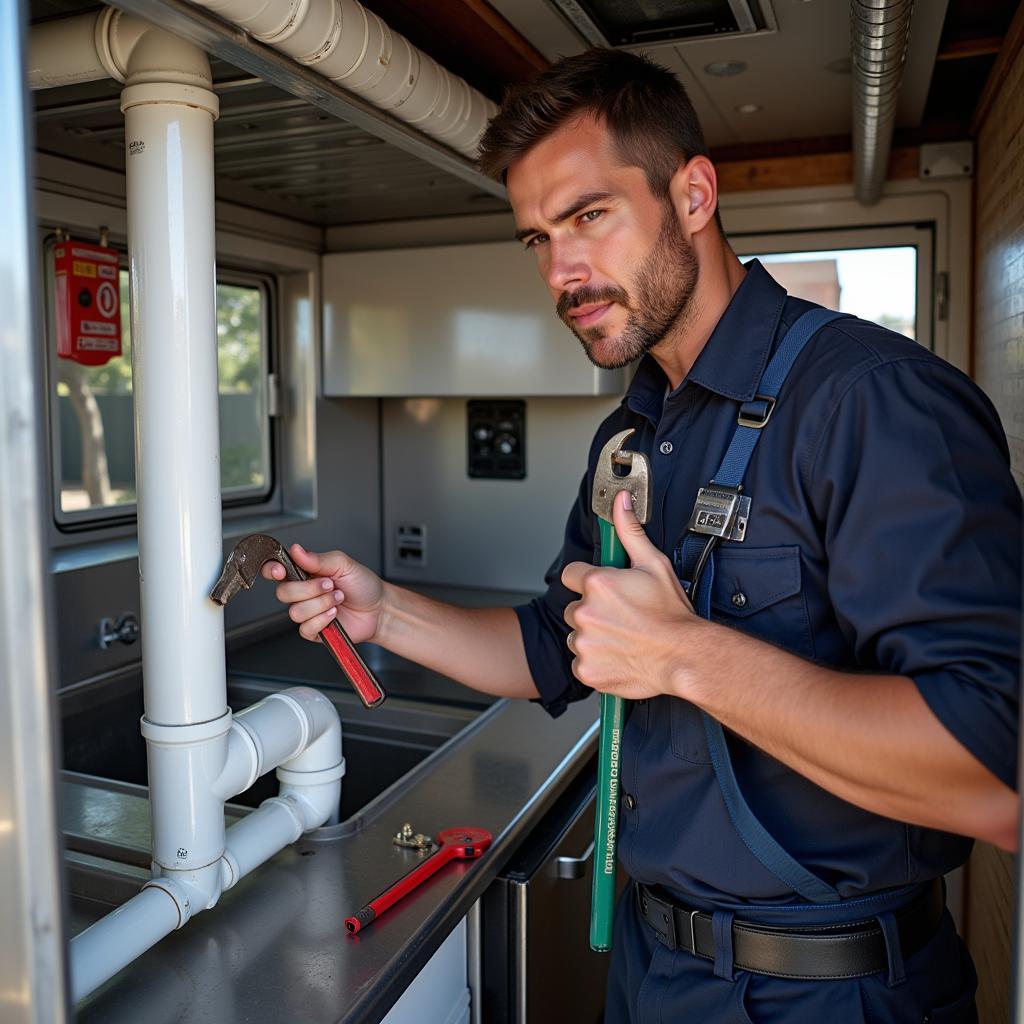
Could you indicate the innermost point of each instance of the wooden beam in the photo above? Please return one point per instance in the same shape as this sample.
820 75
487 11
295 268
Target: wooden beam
1012 44
508 35
806 170
960 49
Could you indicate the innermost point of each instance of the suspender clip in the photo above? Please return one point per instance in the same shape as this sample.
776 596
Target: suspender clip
720 511
757 412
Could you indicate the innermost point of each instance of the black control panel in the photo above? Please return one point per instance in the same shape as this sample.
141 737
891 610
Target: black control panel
497 439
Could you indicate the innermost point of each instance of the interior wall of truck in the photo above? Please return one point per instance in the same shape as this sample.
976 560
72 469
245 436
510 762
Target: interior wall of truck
391 380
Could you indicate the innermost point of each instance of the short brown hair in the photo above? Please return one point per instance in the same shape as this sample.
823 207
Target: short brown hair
650 117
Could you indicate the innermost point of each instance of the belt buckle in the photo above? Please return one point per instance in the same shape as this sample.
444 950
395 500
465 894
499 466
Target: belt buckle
652 909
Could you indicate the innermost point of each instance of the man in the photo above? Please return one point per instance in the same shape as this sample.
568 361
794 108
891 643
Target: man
863 636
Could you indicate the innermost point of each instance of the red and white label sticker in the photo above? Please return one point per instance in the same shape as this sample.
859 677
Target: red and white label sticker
106 300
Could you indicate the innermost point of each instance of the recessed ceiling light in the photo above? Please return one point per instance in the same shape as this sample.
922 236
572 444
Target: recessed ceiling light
725 68
748 108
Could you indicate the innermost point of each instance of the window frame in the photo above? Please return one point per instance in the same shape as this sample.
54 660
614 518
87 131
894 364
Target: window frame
122 520
920 237
945 205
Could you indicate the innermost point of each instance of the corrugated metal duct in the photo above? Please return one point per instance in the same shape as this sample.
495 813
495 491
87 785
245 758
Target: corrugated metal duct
879 31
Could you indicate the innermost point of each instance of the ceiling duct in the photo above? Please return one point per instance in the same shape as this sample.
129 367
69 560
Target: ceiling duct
879 32
339 39
350 45
613 23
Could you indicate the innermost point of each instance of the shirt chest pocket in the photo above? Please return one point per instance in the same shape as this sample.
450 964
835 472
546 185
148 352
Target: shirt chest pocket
758 591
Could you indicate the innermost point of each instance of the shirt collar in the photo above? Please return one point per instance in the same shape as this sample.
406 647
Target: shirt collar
734 357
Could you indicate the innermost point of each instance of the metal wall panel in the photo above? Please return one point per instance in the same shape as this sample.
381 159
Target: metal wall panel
498 534
32 983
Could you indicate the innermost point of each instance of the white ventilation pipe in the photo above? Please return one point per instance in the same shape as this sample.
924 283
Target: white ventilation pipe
879 32
346 43
339 39
198 754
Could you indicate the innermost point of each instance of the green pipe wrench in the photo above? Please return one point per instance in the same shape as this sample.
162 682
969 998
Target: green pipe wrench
634 476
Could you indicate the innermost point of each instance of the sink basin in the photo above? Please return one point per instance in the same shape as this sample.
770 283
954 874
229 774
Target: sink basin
105 802
101 737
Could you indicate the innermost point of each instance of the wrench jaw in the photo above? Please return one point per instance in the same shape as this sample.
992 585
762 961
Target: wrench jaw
242 569
229 584
245 562
608 484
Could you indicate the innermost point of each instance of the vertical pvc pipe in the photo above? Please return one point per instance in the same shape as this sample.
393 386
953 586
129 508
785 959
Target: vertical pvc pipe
169 162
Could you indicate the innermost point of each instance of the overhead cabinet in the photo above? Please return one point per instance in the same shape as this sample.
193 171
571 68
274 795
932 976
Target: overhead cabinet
472 320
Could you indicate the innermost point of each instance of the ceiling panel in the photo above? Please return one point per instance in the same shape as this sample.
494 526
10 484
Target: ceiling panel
788 72
273 152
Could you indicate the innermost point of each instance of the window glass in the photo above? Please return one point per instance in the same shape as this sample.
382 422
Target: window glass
95 415
876 284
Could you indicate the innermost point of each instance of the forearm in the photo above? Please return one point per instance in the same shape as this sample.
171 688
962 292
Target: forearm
869 739
479 647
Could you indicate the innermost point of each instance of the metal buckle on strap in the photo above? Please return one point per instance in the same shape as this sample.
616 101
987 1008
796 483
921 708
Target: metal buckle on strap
720 511
693 935
753 419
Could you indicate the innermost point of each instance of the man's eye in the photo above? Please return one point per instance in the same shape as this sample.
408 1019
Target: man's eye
591 215
532 243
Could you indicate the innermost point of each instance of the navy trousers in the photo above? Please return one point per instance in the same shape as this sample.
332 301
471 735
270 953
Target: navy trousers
651 984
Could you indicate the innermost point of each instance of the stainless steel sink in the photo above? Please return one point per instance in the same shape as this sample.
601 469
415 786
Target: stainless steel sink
105 802
101 736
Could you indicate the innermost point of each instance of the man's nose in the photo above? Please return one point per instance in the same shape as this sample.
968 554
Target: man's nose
566 271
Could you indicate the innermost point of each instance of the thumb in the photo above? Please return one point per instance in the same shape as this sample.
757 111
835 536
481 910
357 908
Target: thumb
310 562
631 531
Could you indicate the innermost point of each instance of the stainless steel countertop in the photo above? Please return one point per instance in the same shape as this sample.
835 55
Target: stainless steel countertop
275 948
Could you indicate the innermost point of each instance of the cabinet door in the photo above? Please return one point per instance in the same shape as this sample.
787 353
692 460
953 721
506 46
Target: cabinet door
473 320
557 933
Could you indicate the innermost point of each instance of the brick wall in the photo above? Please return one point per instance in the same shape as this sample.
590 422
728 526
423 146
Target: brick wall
998 362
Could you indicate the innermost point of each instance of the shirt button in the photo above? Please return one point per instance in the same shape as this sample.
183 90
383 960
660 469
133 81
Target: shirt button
630 801
666 448
739 599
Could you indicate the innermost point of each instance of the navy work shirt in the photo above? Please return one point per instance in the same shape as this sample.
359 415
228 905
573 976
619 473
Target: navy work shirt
884 536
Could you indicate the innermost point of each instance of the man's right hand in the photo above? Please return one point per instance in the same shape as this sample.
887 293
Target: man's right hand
337 587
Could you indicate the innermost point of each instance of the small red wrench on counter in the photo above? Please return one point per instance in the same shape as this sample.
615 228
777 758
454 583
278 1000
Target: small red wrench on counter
454 844
242 569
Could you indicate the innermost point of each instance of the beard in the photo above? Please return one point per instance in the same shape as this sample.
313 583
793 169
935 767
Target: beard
663 287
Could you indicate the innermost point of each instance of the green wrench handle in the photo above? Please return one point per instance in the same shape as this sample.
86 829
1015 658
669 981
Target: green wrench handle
606 824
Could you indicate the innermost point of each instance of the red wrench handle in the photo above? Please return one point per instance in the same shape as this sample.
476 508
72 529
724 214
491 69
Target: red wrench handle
359 675
363 681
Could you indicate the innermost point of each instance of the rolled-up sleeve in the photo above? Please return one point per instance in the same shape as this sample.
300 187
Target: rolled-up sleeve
922 519
541 622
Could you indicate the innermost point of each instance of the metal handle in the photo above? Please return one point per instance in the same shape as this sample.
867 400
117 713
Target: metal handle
574 867
126 630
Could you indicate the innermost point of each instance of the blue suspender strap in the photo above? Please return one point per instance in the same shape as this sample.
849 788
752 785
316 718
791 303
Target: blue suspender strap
753 416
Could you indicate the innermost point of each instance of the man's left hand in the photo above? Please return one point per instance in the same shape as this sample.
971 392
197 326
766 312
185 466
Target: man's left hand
629 624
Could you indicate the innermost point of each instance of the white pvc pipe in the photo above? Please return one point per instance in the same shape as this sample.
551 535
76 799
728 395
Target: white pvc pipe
339 39
258 836
64 52
169 160
114 941
187 813
350 45
196 754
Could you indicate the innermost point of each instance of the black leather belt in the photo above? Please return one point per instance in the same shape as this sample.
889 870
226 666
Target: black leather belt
834 951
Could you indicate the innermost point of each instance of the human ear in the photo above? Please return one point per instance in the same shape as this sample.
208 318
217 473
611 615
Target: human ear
694 193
